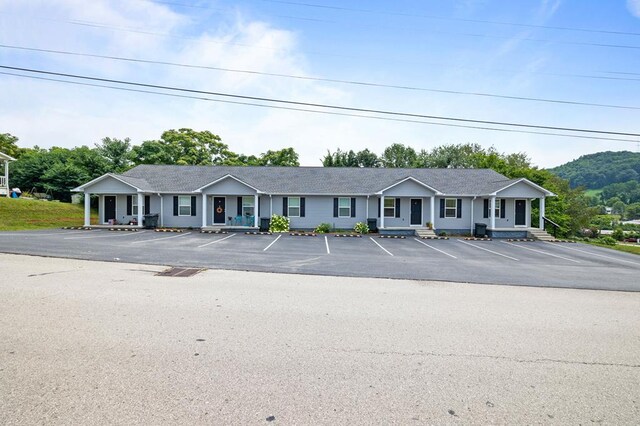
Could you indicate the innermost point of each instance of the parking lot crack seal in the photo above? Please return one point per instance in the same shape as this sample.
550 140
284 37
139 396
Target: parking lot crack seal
496 357
48 273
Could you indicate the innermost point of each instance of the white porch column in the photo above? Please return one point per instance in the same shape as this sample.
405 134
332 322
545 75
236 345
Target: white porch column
161 210
140 209
6 177
87 209
542 206
432 207
366 212
382 212
471 224
255 210
492 212
270 206
204 210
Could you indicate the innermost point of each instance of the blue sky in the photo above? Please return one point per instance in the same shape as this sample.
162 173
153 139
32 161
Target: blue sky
503 48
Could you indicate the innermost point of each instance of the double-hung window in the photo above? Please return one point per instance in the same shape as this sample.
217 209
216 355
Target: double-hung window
450 207
293 207
497 209
248 208
134 205
184 205
389 207
344 207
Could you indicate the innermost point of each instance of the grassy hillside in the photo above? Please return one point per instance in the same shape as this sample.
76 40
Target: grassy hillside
21 213
598 170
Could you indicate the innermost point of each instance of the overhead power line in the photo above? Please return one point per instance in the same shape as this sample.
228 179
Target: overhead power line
330 107
343 114
328 80
417 15
445 33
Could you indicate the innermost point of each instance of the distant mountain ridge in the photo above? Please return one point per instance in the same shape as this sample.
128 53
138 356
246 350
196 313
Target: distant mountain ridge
598 170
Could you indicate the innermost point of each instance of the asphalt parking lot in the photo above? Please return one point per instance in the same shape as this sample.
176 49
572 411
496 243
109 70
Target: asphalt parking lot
488 262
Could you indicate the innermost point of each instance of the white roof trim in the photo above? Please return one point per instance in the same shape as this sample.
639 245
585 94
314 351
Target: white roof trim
413 179
225 177
4 156
81 188
528 182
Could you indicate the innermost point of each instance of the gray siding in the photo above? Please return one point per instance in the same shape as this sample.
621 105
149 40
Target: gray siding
110 185
408 188
521 190
319 209
454 223
229 186
181 221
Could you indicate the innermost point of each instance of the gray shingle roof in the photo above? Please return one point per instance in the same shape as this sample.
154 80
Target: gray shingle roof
314 180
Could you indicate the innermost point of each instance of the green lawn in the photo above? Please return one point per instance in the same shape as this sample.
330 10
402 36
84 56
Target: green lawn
627 248
593 192
21 213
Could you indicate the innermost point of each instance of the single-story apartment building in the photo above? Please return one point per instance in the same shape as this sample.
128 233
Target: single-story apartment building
450 200
4 175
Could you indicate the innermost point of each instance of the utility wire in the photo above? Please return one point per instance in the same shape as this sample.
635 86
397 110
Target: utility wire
326 106
154 33
412 15
343 114
329 80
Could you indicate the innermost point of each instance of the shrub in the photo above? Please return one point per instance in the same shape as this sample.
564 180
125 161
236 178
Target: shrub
323 228
361 228
607 240
618 234
442 234
279 224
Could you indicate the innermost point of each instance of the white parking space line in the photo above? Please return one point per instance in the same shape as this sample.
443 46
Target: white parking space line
594 254
486 249
217 241
438 250
272 243
15 234
542 252
376 243
163 238
326 242
122 234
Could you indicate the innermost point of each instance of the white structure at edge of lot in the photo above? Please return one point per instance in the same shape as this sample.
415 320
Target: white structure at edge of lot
4 177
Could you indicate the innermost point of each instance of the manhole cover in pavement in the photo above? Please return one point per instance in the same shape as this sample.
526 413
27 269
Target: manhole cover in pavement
179 272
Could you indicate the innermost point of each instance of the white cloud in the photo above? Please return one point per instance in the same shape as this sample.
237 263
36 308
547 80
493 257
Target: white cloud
634 7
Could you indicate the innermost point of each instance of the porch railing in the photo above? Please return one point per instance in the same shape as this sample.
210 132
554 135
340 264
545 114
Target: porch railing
553 224
3 182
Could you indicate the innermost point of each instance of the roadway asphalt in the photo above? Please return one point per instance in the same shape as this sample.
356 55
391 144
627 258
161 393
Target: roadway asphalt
94 343
488 262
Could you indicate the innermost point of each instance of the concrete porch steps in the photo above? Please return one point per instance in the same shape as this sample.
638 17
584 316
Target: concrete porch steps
541 235
425 233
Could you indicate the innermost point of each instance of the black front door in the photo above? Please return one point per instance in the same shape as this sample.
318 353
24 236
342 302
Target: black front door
109 208
416 211
218 210
521 212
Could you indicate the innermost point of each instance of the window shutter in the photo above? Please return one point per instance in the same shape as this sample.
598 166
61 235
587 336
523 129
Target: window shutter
397 207
147 204
379 206
335 207
302 203
442 207
129 205
285 206
175 205
503 205
193 205
259 206
353 207
485 213
459 211
239 206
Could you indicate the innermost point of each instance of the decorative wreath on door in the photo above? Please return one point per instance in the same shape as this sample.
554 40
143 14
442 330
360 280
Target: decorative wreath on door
219 209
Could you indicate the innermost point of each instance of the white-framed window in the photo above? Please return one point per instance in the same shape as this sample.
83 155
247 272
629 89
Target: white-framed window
248 208
184 205
450 207
497 209
344 207
134 205
389 207
294 207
